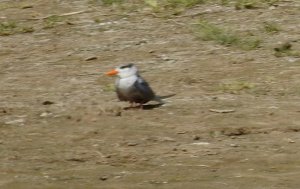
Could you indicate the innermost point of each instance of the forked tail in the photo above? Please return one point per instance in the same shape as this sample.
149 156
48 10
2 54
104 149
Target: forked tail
160 100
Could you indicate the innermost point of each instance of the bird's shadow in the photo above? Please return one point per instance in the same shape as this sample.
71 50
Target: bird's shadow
144 107
150 106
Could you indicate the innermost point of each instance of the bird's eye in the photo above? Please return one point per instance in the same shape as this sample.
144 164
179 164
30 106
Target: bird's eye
126 66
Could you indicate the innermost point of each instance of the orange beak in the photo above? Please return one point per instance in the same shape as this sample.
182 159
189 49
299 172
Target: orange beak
111 73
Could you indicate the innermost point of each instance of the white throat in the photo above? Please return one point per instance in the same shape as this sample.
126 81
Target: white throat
127 82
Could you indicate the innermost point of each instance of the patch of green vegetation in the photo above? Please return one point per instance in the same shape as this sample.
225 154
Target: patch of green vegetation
97 20
245 4
7 28
236 87
15 4
285 49
177 6
105 2
3 6
151 3
224 2
52 21
182 3
26 6
11 27
109 88
173 3
271 27
210 32
252 4
110 2
26 29
270 2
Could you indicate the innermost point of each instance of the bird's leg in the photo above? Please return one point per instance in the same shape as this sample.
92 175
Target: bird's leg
136 105
140 106
131 104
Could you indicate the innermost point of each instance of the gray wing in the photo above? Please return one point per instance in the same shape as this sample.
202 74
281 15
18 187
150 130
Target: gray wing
144 91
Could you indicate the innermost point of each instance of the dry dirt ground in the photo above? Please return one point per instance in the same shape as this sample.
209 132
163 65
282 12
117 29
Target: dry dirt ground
233 123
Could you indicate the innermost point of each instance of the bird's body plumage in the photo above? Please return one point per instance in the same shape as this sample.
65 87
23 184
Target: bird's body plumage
134 89
131 87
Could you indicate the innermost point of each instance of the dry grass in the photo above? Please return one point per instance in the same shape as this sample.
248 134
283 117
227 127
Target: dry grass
11 27
210 32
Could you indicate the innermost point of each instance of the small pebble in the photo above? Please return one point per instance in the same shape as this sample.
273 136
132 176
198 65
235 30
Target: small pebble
103 178
181 132
27 6
167 139
119 113
69 23
201 143
132 144
215 98
211 153
47 102
12 122
165 58
45 114
234 145
141 42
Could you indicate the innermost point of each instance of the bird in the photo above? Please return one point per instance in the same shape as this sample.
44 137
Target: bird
131 87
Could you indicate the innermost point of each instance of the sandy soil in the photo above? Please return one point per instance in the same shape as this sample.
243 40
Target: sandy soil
233 123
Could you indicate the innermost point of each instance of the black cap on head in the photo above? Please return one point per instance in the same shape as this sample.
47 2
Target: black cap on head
126 66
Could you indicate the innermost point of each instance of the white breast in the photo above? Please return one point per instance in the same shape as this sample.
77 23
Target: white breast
126 83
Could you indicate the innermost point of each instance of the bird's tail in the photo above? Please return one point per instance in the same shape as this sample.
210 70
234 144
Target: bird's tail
160 100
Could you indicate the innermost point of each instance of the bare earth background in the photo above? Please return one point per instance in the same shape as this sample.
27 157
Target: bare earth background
234 121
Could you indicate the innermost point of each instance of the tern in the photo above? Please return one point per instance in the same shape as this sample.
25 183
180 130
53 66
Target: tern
131 87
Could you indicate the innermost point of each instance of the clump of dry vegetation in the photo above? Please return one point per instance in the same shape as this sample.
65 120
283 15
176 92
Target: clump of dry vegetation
175 6
106 2
271 27
285 49
11 27
210 32
52 21
236 87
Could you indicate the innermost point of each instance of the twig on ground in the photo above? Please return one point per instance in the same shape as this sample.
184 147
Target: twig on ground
64 14
222 111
